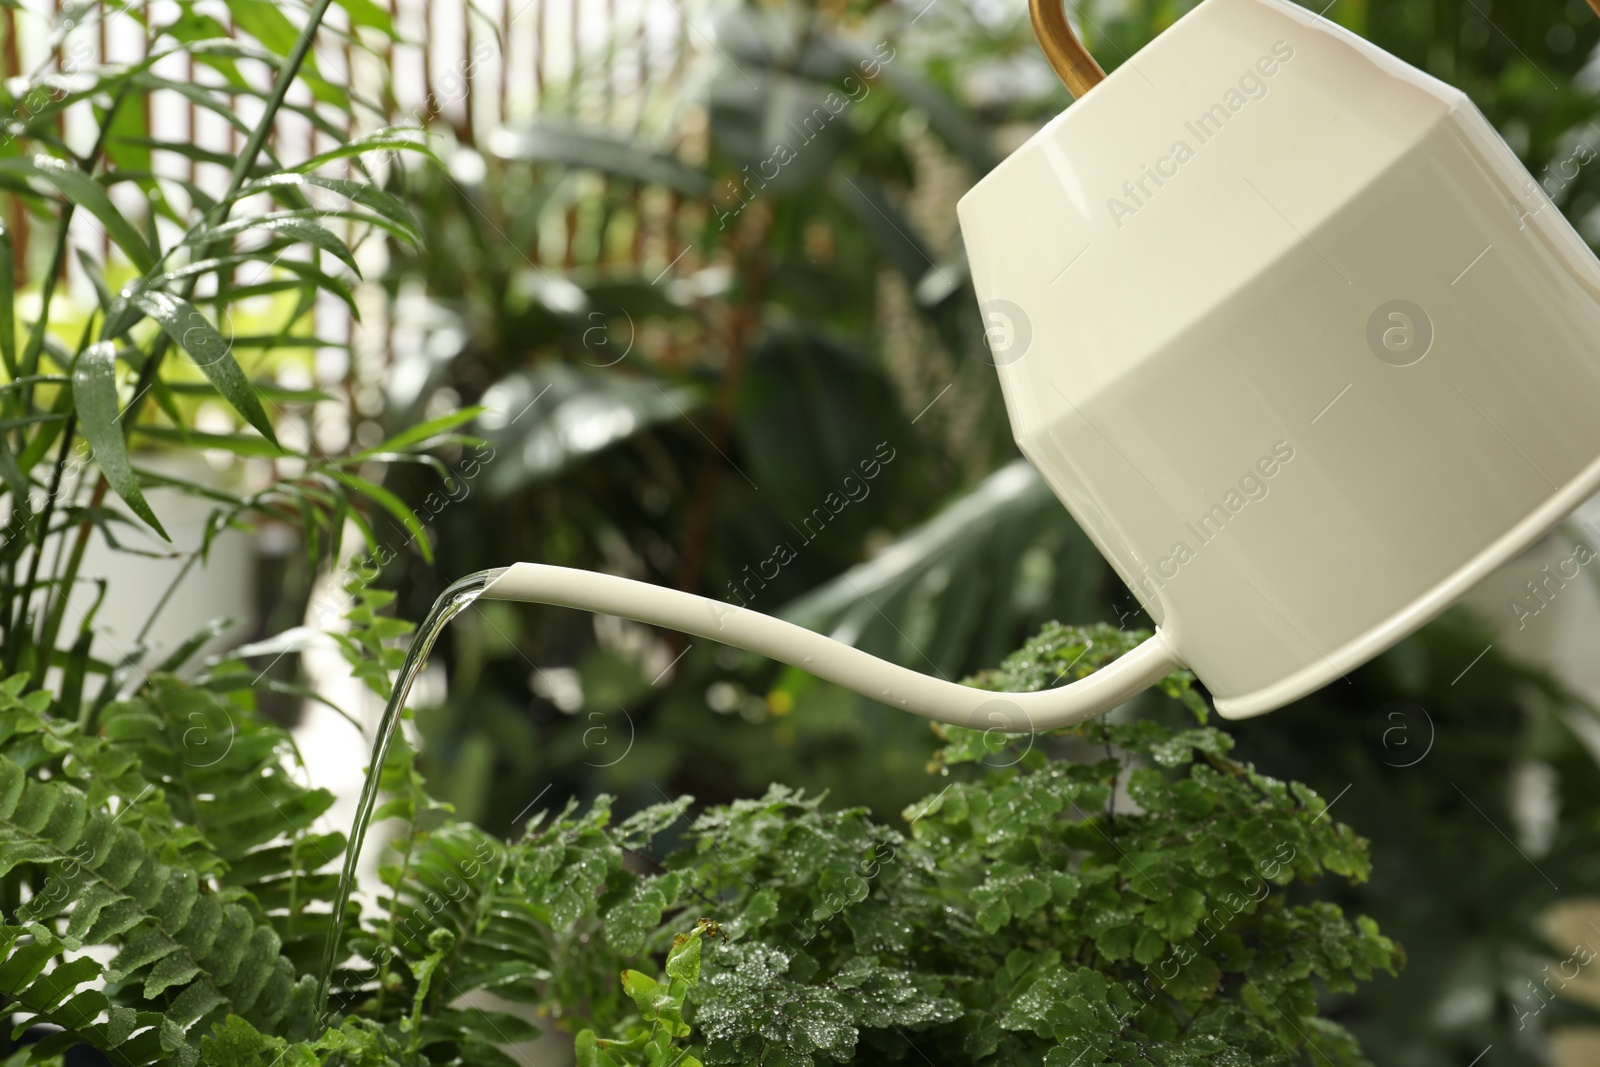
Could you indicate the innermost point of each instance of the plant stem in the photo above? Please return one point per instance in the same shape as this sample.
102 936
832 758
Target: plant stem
158 350
30 367
31 585
58 256
63 588
172 587
236 180
26 596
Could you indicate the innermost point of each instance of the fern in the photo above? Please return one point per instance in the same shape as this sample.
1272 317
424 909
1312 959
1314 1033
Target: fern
1017 920
227 776
66 996
197 953
454 925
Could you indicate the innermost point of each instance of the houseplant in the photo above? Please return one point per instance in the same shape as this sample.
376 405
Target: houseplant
1138 907
164 880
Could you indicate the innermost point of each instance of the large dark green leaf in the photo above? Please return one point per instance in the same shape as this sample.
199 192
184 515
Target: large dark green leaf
94 390
1001 559
815 417
782 136
570 146
892 232
954 125
542 421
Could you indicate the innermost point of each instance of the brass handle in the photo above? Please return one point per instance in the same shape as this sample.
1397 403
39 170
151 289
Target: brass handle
1068 58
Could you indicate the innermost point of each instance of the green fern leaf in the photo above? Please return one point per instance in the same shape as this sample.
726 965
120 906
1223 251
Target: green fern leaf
200 951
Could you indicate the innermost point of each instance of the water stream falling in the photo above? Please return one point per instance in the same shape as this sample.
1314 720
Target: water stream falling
451 603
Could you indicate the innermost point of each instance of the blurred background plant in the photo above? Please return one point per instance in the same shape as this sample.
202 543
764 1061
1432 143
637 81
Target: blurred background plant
698 264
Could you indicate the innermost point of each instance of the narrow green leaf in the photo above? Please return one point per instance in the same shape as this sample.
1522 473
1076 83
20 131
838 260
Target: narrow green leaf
423 431
393 505
295 225
34 379
263 20
273 258
96 274
94 390
72 676
8 320
192 644
287 340
127 125
366 13
219 104
40 442
162 391
193 332
390 140
356 192
237 443
31 420
12 474
270 390
86 193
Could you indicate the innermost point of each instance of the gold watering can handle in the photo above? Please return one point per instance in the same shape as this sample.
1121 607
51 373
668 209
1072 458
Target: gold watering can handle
1071 61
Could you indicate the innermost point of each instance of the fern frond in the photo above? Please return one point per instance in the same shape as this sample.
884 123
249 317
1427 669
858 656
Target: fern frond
37 740
67 996
196 951
226 773
457 925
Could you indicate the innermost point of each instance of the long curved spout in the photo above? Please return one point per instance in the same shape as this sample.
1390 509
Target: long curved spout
835 661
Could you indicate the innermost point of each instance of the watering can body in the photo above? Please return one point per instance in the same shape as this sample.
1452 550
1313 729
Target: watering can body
1294 336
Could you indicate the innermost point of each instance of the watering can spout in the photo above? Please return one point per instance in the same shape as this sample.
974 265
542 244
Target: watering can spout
835 661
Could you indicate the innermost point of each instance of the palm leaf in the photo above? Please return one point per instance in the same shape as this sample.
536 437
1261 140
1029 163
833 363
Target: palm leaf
94 390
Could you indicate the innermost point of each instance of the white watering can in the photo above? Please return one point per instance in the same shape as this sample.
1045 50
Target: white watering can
1290 331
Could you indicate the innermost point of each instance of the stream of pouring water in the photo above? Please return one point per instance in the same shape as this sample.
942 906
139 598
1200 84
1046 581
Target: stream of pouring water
451 603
